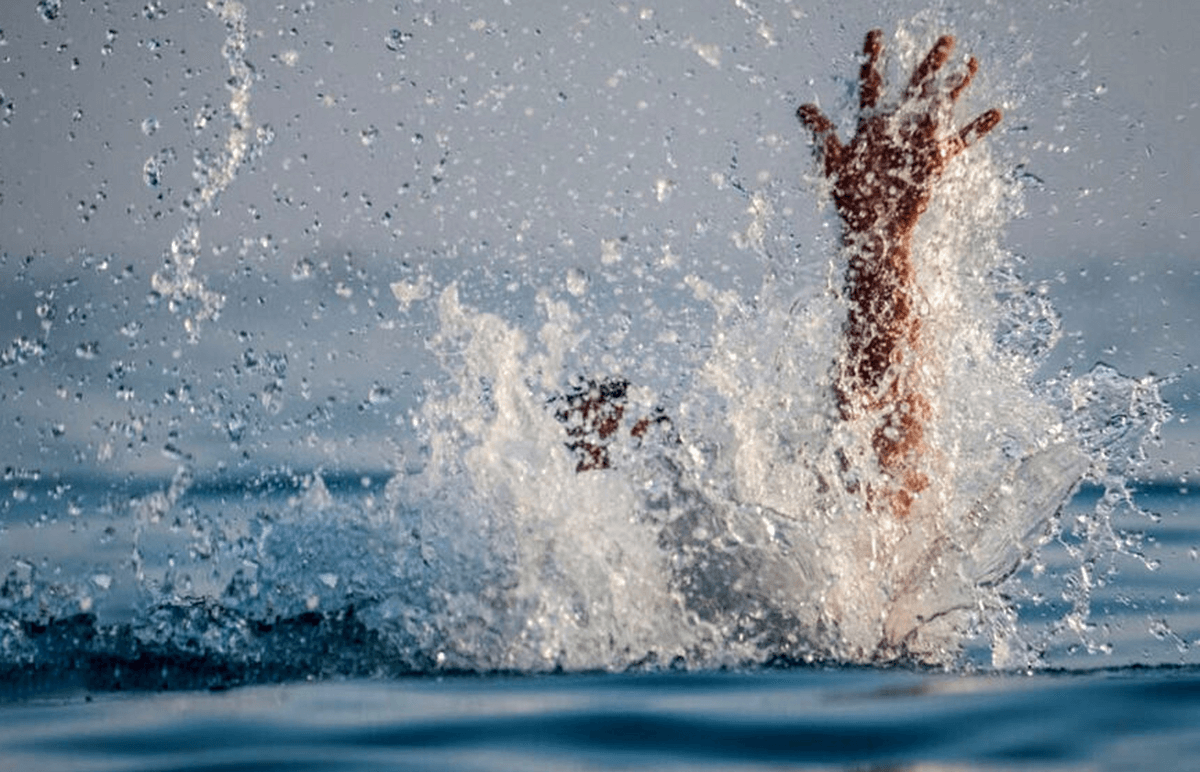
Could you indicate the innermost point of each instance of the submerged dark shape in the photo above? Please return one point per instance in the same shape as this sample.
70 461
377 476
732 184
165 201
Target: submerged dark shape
882 182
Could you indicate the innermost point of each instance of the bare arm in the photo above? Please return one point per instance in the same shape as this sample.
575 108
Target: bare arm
882 182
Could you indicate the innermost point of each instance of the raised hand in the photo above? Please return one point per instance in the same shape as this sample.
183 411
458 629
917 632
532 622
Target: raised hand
883 179
882 182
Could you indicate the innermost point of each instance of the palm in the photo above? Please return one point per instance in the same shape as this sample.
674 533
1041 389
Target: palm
883 179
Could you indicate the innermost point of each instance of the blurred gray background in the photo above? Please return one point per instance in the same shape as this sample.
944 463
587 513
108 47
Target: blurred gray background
515 146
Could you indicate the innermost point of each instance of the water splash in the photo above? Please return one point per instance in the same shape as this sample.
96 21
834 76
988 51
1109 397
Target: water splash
762 542
733 533
178 280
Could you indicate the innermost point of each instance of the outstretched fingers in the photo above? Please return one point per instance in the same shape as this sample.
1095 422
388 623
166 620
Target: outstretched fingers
824 133
870 81
973 131
922 77
972 68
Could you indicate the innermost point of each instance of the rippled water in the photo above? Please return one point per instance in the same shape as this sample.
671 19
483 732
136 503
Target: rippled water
1136 718
133 639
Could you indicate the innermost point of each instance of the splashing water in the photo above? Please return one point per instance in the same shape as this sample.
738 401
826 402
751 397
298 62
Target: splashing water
737 537
732 531
178 280
726 541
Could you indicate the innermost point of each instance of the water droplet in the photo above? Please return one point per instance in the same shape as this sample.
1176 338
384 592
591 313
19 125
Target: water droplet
49 9
395 39
379 394
88 349
154 10
577 282
150 126
663 188
302 269
152 172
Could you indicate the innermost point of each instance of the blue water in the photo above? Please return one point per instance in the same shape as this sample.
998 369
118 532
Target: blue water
1132 718
319 690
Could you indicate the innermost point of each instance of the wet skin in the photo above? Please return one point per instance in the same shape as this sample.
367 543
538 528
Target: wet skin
882 182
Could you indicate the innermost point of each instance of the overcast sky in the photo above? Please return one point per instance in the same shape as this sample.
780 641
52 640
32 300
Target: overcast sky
509 144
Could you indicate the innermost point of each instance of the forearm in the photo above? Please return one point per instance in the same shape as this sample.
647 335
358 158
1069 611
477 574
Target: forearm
883 328
879 379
